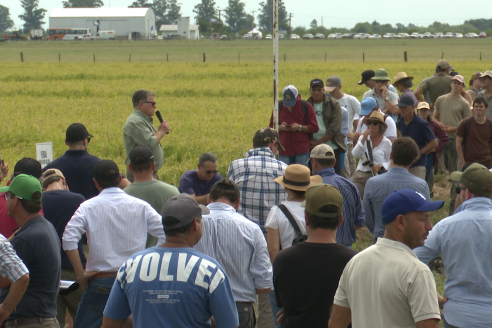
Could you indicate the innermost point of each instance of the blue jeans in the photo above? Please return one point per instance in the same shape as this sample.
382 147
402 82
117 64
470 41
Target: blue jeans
91 307
429 166
275 308
296 159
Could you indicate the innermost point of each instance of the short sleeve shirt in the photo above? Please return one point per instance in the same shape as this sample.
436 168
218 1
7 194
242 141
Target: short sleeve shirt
393 98
278 221
437 85
418 129
387 286
477 148
452 111
191 184
172 287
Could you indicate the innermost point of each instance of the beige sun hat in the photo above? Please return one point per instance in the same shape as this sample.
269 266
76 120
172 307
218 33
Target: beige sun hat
401 76
298 177
376 116
422 105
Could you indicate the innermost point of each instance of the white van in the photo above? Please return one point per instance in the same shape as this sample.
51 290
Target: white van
106 35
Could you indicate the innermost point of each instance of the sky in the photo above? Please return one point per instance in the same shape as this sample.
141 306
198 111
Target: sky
333 14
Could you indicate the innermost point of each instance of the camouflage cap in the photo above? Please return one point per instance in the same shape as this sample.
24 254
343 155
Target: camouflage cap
267 135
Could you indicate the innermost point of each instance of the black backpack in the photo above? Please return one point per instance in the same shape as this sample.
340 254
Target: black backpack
467 129
300 237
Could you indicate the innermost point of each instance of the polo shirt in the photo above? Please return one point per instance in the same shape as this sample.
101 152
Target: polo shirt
191 184
139 130
76 166
437 85
418 129
386 286
483 94
38 246
393 97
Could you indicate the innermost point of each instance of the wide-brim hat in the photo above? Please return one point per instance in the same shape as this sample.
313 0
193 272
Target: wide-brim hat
381 74
298 177
401 76
376 116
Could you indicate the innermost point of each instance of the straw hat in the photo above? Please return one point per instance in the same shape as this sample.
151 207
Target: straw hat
401 76
376 116
297 177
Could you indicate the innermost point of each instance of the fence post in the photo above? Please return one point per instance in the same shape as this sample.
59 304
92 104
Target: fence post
94 58
480 56
130 58
204 57
167 57
363 57
59 57
405 56
284 58
325 57
22 57
442 56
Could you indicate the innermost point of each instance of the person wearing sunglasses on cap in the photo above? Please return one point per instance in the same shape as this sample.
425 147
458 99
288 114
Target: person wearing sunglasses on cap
386 99
197 183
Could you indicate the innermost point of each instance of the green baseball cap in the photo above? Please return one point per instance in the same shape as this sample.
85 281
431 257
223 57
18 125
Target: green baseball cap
381 74
320 195
475 178
24 186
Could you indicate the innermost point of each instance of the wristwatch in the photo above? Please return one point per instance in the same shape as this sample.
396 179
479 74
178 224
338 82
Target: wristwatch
300 128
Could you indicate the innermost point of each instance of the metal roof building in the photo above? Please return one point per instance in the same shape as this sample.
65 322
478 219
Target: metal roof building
133 23
191 33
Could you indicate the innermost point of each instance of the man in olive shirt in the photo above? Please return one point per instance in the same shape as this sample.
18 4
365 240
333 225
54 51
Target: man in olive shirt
139 129
437 85
154 192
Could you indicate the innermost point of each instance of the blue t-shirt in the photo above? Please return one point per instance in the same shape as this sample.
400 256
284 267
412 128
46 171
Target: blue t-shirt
419 130
191 184
172 287
58 208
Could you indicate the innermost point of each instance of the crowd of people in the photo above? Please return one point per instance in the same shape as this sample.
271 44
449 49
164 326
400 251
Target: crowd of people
278 230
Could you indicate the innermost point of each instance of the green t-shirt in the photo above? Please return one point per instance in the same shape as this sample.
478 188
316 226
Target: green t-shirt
318 109
154 192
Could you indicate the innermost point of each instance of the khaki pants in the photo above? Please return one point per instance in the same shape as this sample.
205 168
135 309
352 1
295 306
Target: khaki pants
418 171
265 315
45 324
68 302
359 179
350 166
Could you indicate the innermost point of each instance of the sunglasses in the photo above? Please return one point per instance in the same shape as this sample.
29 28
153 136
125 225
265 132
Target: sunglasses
210 172
381 81
151 102
372 122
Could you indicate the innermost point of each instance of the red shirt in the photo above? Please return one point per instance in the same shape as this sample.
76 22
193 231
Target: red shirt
7 223
296 143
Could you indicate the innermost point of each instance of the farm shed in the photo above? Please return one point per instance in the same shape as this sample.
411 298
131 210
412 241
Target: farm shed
183 29
133 23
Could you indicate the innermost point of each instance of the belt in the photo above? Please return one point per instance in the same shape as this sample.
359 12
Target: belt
25 321
105 275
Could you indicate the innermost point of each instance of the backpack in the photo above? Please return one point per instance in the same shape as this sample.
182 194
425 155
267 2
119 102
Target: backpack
300 237
467 129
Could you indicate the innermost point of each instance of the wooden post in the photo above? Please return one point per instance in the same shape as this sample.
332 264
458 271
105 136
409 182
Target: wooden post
442 56
325 57
238 58
130 58
363 57
59 57
94 58
284 58
167 57
405 56
22 57
204 57
480 56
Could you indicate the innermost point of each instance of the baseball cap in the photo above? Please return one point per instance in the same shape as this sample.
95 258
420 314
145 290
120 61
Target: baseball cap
459 78
29 166
105 170
476 75
290 96
475 178
404 201
316 82
322 151
366 75
405 101
140 155
267 135
24 186
454 73
320 195
422 105
443 64
367 105
486 73
181 210
381 74
332 82
49 176
77 132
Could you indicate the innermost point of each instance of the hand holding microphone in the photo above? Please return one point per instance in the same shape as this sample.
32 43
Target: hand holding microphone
164 126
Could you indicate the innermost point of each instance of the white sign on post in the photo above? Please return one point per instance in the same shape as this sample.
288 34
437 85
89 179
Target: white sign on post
44 152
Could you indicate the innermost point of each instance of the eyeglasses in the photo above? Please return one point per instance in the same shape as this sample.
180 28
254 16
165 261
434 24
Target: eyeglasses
381 81
373 123
151 102
210 172
8 195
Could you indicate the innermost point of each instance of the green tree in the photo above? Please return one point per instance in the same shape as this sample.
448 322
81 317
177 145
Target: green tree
5 21
265 18
33 16
205 10
159 7
314 24
173 12
236 16
83 3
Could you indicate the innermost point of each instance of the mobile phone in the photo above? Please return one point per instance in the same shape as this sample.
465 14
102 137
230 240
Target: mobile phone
288 126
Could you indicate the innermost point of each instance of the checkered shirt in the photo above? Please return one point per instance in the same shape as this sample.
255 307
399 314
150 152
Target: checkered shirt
254 175
11 266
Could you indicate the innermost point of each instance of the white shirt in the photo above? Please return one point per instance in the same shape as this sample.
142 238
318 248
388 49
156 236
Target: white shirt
278 221
380 154
390 132
352 105
116 225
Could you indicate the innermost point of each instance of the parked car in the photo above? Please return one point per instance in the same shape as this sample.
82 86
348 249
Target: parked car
295 37
331 36
268 37
308 36
414 35
482 35
458 35
223 37
319 36
438 35
87 37
201 37
448 35
403 36
377 36
471 35
338 36
389 36
106 35
281 36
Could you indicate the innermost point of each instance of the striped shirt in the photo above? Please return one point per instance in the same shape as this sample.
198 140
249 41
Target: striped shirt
11 266
378 188
239 247
352 210
254 176
116 225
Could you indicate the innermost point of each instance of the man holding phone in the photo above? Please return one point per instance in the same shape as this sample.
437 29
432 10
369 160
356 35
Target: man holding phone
139 129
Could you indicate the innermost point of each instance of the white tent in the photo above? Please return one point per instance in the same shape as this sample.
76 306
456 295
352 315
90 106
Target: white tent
254 33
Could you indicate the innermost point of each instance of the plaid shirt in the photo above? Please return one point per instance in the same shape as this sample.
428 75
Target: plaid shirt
11 266
254 175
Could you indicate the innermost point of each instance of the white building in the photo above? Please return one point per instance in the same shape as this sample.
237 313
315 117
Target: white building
132 23
183 29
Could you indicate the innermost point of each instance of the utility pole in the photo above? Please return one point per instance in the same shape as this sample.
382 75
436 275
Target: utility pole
322 22
290 23
253 23
219 23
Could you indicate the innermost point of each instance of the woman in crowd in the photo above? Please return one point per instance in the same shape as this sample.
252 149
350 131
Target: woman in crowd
403 83
373 150
423 111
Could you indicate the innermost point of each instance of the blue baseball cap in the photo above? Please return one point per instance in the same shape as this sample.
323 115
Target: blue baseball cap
367 105
290 96
401 202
